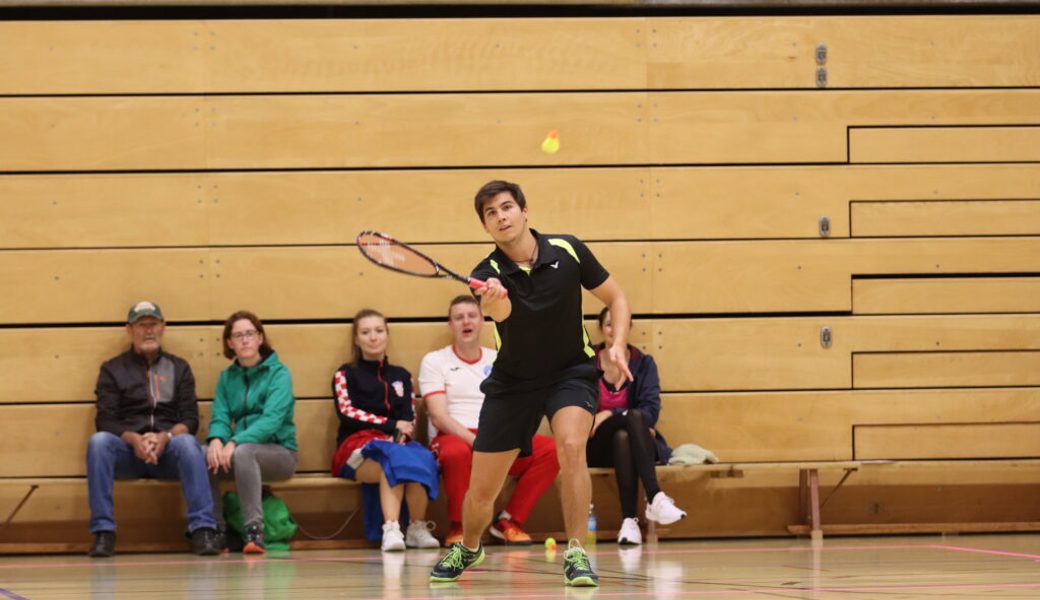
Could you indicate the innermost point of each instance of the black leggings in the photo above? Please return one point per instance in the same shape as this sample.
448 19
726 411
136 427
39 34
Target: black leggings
624 442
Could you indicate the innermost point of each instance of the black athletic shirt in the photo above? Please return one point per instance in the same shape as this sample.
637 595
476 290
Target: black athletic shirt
544 333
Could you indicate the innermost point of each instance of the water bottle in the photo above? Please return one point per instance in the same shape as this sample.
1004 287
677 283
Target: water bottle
590 539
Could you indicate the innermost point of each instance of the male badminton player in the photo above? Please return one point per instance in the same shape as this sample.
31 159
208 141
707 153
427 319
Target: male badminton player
545 367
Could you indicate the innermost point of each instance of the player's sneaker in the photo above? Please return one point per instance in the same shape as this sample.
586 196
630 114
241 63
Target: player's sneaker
630 533
663 510
393 539
577 570
418 535
457 560
510 533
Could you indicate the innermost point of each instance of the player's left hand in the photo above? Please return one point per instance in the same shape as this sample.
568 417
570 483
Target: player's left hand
616 355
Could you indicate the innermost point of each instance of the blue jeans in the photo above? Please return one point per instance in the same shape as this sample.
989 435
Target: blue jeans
110 458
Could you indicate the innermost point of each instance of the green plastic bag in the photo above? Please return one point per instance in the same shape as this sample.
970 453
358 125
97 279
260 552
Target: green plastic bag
279 526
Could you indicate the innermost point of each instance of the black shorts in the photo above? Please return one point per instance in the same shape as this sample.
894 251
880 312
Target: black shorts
513 411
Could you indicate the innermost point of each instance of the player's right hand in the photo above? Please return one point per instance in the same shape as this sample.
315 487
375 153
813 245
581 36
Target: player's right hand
493 290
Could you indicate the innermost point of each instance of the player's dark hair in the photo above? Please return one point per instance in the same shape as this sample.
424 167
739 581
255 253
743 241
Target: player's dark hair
355 350
493 188
462 299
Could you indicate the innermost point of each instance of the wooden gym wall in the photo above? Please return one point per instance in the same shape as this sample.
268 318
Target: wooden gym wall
827 226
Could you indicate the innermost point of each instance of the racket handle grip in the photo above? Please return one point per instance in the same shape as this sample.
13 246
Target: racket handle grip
479 285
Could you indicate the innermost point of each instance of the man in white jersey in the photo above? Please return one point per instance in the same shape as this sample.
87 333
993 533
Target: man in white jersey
449 380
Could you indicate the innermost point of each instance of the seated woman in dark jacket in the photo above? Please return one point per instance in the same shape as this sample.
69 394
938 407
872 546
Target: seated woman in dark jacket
623 436
373 400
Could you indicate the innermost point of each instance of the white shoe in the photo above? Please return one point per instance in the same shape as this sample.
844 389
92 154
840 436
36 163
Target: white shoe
418 535
630 533
663 510
393 539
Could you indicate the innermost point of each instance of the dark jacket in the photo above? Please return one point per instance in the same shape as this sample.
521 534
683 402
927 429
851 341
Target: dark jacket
255 405
643 393
124 402
371 395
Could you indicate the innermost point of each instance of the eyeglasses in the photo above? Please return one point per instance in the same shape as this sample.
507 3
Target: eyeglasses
245 335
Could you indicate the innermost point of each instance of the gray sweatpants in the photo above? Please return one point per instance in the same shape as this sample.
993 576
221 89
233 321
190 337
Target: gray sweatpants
252 465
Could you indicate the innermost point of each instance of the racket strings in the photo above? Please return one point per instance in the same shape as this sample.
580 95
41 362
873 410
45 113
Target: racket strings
395 256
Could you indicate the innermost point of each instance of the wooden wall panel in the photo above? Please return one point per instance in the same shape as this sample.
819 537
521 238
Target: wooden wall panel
209 284
941 295
818 425
865 51
944 144
397 55
329 55
948 440
813 275
62 364
786 127
945 369
452 130
97 286
322 207
335 281
627 203
929 218
777 354
102 133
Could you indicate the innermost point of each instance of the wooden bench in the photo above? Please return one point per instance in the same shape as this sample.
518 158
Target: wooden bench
810 502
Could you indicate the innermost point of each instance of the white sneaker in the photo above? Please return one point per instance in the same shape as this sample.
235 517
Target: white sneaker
663 510
630 533
393 539
418 535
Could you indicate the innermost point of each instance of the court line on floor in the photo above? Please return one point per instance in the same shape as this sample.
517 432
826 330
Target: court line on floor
599 592
994 552
11 595
94 563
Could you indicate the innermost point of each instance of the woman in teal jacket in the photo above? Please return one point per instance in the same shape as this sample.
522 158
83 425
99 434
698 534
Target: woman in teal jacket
251 434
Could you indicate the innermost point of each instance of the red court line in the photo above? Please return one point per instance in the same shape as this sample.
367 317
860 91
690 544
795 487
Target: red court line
599 593
996 552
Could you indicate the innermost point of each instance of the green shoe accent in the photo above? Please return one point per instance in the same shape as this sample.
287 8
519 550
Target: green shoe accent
577 571
457 560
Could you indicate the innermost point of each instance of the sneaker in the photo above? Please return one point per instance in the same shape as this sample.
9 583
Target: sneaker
510 533
254 539
418 535
663 510
577 570
630 533
206 542
457 560
393 539
104 545
454 535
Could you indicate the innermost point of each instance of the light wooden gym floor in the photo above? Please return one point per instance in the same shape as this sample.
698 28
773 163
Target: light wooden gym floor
975 566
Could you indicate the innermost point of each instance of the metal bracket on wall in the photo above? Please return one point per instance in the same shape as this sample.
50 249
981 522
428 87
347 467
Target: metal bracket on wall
821 60
825 226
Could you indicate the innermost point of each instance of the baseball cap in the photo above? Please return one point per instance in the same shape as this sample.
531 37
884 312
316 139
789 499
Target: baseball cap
144 309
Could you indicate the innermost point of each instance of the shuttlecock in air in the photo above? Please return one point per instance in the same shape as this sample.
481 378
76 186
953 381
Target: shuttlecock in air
551 143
